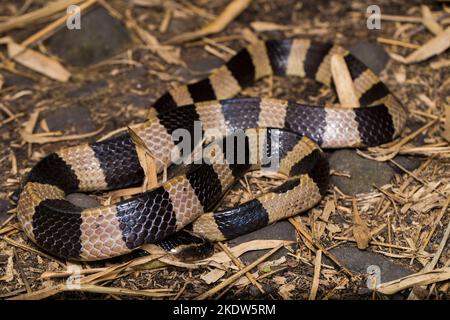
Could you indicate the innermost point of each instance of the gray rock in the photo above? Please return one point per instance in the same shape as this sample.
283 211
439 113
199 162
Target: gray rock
87 89
83 200
371 54
414 126
16 80
72 117
138 101
408 162
364 172
282 230
203 65
101 36
136 72
4 207
358 260
198 65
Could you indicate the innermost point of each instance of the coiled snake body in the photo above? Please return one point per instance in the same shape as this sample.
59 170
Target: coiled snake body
188 199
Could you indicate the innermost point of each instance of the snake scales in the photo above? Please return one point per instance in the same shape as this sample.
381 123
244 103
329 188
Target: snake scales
188 199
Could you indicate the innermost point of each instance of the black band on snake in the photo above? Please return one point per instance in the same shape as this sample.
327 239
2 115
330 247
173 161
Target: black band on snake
292 131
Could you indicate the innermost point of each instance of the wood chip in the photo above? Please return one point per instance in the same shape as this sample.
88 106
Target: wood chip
321 225
285 291
343 82
213 275
38 62
147 162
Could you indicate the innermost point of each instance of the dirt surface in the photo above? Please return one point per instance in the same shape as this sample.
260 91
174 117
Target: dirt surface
113 86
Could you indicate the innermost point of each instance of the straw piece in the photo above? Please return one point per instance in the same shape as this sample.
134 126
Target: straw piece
241 266
231 11
146 160
46 31
316 278
48 292
420 278
237 275
397 43
31 17
433 47
300 228
46 137
428 20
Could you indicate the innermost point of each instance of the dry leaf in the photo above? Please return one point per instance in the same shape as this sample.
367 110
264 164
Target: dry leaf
333 228
361 232
285 291
271 264
212 276
38 62
433 47
279 280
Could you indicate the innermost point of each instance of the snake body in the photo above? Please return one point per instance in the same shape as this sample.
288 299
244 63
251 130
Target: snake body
189 199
